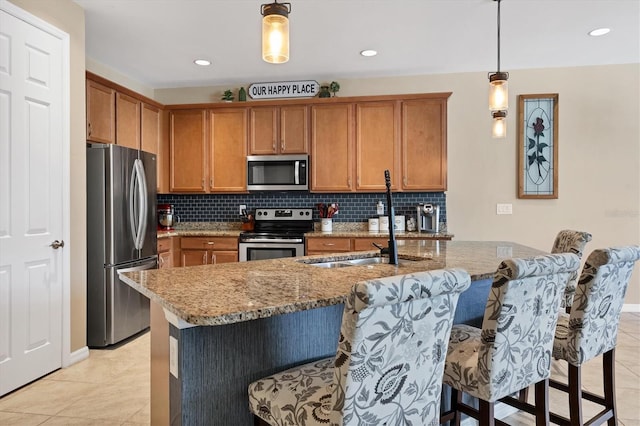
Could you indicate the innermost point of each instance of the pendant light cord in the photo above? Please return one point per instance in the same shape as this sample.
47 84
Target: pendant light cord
498 35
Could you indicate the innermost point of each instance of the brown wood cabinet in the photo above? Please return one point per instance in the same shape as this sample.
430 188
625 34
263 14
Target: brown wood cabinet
127 121
208 150
332 147
320 245
187 150
228 150
120 116
279 130
166 252
101 113
208 250
424 144
365 244
377 145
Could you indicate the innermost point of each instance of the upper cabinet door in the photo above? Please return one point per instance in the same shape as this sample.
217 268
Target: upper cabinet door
188 153
332 148
150 129
101 113
424 145
228 150
294 129
127 121
279 130
264 139
377 145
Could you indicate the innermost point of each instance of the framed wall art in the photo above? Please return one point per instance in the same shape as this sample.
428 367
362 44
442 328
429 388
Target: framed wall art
538 146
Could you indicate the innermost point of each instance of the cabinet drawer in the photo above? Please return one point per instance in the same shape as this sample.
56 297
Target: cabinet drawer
209 243
164 244
329 244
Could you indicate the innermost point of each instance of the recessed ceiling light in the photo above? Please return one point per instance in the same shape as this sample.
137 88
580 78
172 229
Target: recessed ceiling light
202 62
368 52
599 31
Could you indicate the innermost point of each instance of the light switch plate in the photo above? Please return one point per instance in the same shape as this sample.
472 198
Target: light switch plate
504 209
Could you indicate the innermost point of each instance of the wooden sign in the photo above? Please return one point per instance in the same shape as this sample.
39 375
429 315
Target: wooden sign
284 89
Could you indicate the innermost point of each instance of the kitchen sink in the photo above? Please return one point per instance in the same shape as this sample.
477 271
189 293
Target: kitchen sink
361 261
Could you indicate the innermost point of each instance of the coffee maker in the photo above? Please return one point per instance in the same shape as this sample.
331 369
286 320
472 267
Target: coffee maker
428 216
166 217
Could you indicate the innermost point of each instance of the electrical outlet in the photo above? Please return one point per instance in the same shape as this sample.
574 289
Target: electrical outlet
504 209
242 209
173 356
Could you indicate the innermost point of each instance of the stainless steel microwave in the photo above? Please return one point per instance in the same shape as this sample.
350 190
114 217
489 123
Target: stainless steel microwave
278 172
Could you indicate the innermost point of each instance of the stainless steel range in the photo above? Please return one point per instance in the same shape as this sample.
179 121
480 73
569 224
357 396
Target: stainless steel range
277 233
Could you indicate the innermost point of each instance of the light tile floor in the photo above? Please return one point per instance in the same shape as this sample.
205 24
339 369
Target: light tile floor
111 387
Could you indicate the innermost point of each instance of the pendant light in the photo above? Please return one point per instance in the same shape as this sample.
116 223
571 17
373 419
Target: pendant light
499 128
498 87
275 32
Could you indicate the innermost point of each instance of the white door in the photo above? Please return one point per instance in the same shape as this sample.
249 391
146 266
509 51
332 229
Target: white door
31 205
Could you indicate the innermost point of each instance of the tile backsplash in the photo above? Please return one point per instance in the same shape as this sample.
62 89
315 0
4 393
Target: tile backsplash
353 207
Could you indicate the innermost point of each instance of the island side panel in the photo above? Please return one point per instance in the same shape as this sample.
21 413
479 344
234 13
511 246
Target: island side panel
217 363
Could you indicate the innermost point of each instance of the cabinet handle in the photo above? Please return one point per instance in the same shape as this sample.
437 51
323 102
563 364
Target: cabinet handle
202 183
204 258
210 243
329 244
160 262
282 145
273 145
213 258
89 125
349 182
404 180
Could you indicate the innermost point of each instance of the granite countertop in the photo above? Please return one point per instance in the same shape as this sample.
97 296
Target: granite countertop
340 229
242 291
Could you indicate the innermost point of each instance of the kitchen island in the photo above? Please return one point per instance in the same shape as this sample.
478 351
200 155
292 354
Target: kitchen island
233 323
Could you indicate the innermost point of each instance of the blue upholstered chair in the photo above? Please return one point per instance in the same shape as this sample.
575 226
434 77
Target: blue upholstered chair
389 361
513 348
569 241
591 330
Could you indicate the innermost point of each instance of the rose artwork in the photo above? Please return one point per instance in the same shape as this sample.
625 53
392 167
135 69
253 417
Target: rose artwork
537 149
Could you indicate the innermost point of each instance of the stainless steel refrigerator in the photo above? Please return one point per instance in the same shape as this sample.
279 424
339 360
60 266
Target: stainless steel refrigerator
121 237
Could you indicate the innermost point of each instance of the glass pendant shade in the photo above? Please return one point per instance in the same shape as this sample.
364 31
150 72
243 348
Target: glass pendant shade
499 128
275 33
498 91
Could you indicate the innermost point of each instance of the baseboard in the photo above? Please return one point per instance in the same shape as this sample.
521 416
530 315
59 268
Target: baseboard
77 356
630 308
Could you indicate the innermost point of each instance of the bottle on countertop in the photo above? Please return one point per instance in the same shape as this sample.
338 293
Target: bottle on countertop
380 208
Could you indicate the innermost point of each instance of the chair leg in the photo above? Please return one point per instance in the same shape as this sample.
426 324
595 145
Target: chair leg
542 402
523 395
609 379
456 400
575 395
486 413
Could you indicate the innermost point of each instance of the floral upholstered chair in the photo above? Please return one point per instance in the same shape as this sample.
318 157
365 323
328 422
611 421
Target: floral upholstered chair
569 241
389 361
592 327
513 348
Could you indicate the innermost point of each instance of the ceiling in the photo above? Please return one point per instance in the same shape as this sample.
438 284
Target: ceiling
156 41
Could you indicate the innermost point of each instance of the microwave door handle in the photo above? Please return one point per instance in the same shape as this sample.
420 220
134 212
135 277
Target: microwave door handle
297 173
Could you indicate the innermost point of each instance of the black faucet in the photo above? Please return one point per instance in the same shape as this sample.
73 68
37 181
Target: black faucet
393 247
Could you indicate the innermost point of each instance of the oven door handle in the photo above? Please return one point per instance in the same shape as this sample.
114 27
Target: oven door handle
273 240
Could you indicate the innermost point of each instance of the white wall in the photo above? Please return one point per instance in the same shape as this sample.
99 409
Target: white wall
599 154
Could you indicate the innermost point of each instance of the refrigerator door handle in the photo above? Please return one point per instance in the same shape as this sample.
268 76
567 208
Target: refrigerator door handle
138 204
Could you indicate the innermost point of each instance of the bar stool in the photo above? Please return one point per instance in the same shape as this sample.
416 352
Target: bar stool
591 330
513 349
388 364
569 241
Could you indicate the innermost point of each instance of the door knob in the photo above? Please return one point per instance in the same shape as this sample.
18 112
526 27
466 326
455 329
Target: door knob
57 244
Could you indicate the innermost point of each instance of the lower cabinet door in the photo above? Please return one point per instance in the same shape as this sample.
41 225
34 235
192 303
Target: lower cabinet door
194 257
